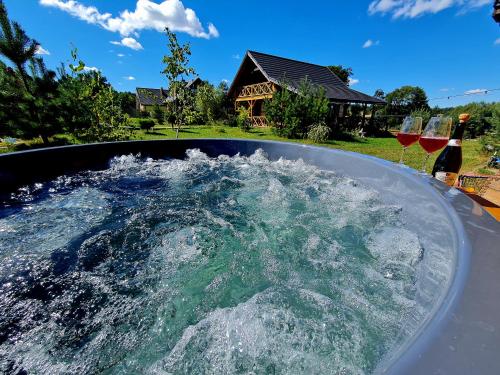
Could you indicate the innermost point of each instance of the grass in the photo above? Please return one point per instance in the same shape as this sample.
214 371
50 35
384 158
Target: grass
386 148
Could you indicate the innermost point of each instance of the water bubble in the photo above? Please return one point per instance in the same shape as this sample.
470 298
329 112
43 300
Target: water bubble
205 265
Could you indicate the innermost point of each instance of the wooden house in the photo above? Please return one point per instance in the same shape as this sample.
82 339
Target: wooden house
260 76
147 98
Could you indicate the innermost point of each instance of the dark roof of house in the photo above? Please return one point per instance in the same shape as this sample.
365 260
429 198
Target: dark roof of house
194 83
278 69
147 96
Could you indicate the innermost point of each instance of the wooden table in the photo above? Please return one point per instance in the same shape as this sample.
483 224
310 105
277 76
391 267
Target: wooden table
491 207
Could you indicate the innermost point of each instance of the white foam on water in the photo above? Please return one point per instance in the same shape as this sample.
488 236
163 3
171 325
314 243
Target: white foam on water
212 265
48 225
263 335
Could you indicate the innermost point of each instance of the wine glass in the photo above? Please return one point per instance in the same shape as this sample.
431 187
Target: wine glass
409 133
435 136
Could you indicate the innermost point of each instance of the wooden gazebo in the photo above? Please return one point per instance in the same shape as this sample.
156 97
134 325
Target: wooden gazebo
260 74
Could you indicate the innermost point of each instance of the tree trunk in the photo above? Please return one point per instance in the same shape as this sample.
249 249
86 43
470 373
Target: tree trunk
20 69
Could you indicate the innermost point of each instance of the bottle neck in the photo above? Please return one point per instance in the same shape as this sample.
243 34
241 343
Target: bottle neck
458 133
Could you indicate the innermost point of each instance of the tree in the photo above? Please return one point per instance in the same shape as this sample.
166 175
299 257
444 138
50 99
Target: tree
158 114
176 68
14 114
127 103
45 101
210 101
406 99
379 93
484 116
293 114
402 102
15 45
40 90
344 73
92 108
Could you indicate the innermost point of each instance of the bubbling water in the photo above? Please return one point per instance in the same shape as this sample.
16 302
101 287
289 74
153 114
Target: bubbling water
204 265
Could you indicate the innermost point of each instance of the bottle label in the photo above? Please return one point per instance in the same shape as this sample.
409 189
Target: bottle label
455 142
448 178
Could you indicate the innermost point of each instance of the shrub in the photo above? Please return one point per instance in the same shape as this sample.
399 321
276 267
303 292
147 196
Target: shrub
146 124
319 133
230 120
292 114
208 102
490 143
158 114
242 119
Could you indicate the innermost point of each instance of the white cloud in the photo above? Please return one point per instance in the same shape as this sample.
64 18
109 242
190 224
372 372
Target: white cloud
382 6
370 43
131 43
91 69
128 42
444 89
147 15
236 56
42 51
353 81
89 14
416 8
497 42
120 55
476 91
129 78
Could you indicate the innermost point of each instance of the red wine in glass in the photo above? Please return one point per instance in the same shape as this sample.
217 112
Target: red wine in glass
407 139
435 136
432 144
409 133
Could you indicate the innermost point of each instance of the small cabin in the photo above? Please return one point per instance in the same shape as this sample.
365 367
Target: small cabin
260 75
147 98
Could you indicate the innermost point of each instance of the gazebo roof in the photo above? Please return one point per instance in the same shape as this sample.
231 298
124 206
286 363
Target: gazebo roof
278 69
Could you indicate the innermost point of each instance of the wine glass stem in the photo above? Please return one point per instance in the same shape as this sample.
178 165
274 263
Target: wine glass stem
424 166
402 155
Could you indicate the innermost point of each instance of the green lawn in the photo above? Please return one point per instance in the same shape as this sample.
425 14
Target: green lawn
385 148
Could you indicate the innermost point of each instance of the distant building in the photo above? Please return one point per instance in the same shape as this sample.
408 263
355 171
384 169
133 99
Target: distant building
147 98
260 76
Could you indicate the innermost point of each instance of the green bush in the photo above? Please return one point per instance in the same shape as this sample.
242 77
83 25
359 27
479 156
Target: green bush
146 124
319 133
490 143
242 119
291 114
158 114
231 121
210 102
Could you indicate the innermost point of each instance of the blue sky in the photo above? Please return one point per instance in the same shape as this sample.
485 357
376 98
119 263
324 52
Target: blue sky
448 47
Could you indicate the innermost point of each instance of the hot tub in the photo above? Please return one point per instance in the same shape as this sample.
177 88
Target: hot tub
453 325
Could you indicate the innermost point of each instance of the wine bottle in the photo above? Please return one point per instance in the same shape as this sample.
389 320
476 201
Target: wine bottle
448 163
